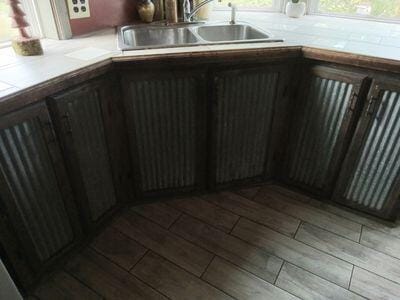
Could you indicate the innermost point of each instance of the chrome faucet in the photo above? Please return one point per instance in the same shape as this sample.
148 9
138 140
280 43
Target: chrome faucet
233 12
188 12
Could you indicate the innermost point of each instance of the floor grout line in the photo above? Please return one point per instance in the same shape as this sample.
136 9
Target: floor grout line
279 272
172 224
83 283
234 225
126 271
351 277
297 230
139 260
206 268
361 232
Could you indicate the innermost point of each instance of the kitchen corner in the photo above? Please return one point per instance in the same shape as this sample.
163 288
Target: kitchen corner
259 161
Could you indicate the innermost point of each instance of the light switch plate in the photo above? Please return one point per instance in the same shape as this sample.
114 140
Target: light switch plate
78 9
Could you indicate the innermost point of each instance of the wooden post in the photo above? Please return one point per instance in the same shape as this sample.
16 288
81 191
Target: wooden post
24 44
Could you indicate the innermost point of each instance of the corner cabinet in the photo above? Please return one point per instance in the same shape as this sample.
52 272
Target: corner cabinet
323 117
370 177
166 117
243 114
82 116
39 221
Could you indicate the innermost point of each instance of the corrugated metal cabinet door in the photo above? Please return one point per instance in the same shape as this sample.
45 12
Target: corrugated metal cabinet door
166 126
242 120
370 177
35 194
321 127
79 119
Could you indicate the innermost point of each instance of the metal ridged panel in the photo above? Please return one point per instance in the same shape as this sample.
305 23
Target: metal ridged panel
90 145
244 117
28 171
379 164
314 136
164 114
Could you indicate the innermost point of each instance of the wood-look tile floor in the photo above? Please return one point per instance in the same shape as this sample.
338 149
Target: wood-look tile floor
259 243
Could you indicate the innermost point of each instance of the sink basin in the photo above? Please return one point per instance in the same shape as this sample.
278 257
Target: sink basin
235 32
158 36
189 34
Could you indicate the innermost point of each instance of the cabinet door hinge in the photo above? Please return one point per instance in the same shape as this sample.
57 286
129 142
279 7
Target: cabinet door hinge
353 101
373 98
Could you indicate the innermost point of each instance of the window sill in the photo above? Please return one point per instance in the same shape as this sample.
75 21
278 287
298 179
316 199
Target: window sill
327 15
356 17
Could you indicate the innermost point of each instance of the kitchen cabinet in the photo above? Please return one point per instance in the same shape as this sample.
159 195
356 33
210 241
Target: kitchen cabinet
370 177
322 120
166 117
243 115
85 119
39 221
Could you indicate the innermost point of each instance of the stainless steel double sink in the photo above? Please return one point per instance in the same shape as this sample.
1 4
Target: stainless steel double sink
189 34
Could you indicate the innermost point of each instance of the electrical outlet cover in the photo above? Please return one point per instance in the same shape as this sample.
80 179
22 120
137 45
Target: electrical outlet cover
78 9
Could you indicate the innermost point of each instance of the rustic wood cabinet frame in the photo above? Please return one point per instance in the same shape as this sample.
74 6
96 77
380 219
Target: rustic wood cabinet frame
374 108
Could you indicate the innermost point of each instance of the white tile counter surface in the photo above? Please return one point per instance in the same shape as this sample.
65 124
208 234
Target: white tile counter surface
348 35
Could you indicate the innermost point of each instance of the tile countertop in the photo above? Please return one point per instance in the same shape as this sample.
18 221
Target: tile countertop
375 39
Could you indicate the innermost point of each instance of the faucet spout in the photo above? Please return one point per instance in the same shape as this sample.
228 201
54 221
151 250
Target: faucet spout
188 12
233 13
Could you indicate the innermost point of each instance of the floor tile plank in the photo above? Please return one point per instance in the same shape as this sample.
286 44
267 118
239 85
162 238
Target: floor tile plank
173 281
118 248
241 284
238 252
381 241
108 279
248 193
62 285
163 242
312 215
350 214
350 251
295 252
158 212
306 285
255 211
206 211
373 286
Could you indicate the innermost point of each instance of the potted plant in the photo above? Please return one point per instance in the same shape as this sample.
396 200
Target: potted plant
295 8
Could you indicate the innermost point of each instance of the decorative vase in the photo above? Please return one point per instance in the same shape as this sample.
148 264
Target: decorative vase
24 44
295 10
146 11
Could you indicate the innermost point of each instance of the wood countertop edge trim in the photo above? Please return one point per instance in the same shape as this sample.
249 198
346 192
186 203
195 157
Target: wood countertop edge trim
52 86
352 59
295 51
38 92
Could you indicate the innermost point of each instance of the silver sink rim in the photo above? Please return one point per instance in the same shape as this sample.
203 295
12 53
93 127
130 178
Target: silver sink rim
193 28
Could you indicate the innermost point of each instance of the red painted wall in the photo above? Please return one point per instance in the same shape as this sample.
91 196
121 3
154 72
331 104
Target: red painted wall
106 13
